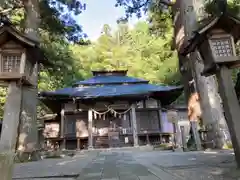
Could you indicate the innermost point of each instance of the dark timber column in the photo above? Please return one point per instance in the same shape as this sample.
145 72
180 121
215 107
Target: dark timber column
78 144
160 121
160 116
62 129
134 124
90 124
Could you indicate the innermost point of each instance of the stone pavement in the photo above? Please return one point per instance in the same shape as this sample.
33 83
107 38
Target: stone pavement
191 165
130 165
67 168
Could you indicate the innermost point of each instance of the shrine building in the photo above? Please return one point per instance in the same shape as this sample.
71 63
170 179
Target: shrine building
110 109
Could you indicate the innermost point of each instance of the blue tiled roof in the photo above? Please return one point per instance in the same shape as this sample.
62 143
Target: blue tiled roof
90 92
110 80
114 84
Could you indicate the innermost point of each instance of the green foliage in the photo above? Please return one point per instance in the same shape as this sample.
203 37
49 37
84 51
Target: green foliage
144 55
64 71
160 19
216 7
3 94
236 73
57 16
57 28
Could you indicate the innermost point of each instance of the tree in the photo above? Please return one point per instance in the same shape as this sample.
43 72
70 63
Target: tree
3 94
143 54
64 72
35 18
161 9
57 29
57 16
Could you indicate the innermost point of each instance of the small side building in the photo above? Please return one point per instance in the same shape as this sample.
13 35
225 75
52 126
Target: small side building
110 109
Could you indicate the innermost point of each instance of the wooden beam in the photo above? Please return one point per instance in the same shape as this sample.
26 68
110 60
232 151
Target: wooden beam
160 116
148 141
23 63
62 123
134 124
78 144
64 144
90 133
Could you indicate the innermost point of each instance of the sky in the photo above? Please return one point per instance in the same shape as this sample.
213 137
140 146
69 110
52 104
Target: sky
98 13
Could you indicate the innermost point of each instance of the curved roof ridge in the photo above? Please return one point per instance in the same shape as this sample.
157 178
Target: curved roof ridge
109 72
111 80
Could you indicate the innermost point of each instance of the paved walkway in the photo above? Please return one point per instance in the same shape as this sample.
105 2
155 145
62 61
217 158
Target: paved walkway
130 165
67 168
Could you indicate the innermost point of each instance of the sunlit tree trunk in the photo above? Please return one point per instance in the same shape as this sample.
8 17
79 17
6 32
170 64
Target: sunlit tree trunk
212 112
185 66
179 36
20 108
28 132
32 18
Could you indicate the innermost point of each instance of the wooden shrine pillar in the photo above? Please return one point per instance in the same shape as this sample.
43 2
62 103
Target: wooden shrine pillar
64 143
134 125
78 144
160 116
148 140
90 133
62 129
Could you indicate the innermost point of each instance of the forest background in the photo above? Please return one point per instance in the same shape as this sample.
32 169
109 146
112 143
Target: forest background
146 50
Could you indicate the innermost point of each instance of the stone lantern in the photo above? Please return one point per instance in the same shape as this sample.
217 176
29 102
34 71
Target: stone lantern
215 41
19 65
19 56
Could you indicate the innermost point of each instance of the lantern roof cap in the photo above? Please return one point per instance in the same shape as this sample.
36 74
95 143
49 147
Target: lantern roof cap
225 21
8 30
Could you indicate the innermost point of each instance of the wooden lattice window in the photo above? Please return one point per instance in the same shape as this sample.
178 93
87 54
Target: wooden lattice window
10 62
